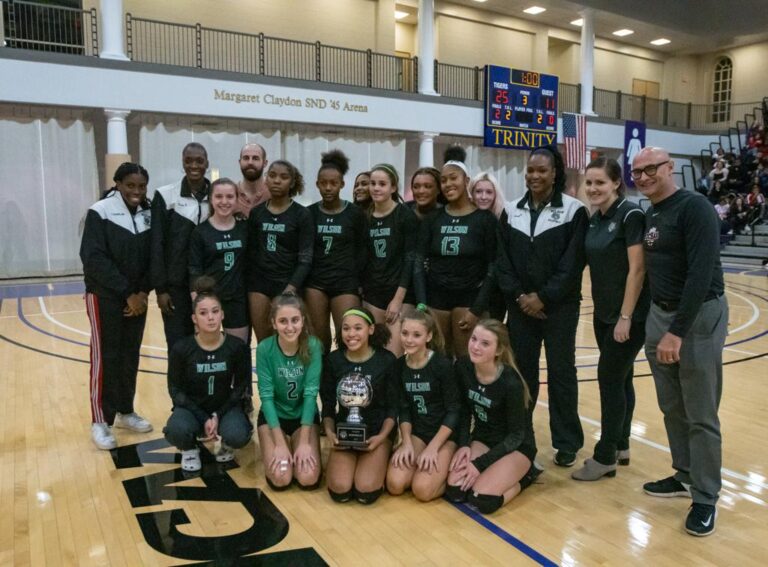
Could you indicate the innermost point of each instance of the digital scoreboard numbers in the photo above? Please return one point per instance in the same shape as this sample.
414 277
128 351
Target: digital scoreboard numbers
520 108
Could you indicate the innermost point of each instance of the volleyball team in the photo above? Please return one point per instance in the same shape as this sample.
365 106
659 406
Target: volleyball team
416 294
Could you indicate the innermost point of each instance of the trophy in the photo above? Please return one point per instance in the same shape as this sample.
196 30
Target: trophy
353 392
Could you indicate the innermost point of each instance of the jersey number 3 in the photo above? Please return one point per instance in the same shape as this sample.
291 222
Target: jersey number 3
450 246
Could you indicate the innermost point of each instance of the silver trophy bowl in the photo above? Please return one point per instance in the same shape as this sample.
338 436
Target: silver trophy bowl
354 391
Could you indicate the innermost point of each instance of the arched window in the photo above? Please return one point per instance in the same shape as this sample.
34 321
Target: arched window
721 90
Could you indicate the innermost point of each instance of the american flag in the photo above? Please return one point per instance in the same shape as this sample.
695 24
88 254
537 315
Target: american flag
575 137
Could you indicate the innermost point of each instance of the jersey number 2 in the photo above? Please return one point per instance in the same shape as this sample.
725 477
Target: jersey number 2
292 387
380 246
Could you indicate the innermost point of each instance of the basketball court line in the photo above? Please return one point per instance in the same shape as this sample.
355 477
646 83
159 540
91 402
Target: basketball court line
664 448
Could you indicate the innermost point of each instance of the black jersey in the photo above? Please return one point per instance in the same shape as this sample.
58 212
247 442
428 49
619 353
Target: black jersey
460 252
391 243
221 255
429 396
340 250
379 369
176 211
280 246
499 412
115 249
207 381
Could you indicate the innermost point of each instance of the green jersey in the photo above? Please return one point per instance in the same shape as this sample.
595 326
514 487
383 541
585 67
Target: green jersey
287 387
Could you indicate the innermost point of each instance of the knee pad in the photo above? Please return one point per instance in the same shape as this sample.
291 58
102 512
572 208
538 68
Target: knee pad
455 494
277 488
312 486
340 496
486 503
367 497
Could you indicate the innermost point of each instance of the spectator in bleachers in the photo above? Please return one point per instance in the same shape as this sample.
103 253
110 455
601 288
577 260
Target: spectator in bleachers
739 215
756 203
718 173
717 191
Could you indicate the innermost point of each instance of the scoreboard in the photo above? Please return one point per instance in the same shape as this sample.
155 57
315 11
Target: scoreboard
520 108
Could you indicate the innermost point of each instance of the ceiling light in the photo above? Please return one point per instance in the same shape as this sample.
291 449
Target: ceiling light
481 1
400 15
622 33
533 10
579 22
661 41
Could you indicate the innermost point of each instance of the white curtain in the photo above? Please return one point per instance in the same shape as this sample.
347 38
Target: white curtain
508 166
161 147
48 179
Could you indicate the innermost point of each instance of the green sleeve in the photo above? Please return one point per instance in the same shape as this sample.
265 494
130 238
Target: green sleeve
266 374
312 381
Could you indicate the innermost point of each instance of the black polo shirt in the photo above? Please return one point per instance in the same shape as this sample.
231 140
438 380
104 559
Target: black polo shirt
608 237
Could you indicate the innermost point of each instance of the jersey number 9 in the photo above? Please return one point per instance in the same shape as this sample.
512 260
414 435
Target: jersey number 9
229 261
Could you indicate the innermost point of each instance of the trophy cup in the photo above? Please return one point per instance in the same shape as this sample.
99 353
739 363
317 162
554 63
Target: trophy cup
353 392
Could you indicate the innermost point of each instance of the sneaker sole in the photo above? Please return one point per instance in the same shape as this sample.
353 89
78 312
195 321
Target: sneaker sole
227 459
564 465
134 429
697 534
105 447
667 494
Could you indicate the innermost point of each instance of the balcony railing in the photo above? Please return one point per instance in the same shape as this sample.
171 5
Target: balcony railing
27 25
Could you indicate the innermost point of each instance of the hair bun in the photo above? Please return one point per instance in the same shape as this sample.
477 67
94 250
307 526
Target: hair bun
336 159
455 153
204 284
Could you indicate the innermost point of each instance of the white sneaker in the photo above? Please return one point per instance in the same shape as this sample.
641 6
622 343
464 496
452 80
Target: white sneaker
190 460
132 421
225 454
102 436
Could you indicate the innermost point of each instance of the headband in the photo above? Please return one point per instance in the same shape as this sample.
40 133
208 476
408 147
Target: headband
389 169
362 314
458 164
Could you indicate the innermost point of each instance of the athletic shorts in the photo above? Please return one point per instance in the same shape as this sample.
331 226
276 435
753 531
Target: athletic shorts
289 426
445 299
380 297
235 313
266 287
426 437
341 288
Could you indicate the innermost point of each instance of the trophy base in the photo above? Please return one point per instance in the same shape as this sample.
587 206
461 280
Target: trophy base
352 435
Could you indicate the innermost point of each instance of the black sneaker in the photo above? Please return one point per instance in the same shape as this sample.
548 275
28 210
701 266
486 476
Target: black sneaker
564 458
701 519
667 488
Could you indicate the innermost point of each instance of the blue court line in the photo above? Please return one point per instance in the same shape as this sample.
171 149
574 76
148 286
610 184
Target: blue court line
41 289
505 535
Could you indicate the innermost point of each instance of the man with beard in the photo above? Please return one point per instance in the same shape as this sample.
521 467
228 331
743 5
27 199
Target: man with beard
252 190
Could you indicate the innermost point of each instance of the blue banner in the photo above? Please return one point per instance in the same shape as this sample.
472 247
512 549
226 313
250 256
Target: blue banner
634 141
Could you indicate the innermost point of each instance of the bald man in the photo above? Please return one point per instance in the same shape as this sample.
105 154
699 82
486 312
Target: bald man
252 190
685 333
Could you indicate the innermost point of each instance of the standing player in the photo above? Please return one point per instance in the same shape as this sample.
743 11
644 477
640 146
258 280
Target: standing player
353 473
459 245
360 191
115 252
207 376
217 249
176 210
539 267
495 461
280 240
485 192
252 190
289 364
429 410
617 268
685 333
339 254
425 186
392 232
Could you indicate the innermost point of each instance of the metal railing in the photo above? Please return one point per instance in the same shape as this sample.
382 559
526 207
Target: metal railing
42 27
27 25
152 41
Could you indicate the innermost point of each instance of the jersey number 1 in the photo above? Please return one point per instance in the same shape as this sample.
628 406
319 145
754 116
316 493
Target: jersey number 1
211 380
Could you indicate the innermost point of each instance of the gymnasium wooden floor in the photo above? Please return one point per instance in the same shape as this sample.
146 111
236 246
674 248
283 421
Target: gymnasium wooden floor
63 502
